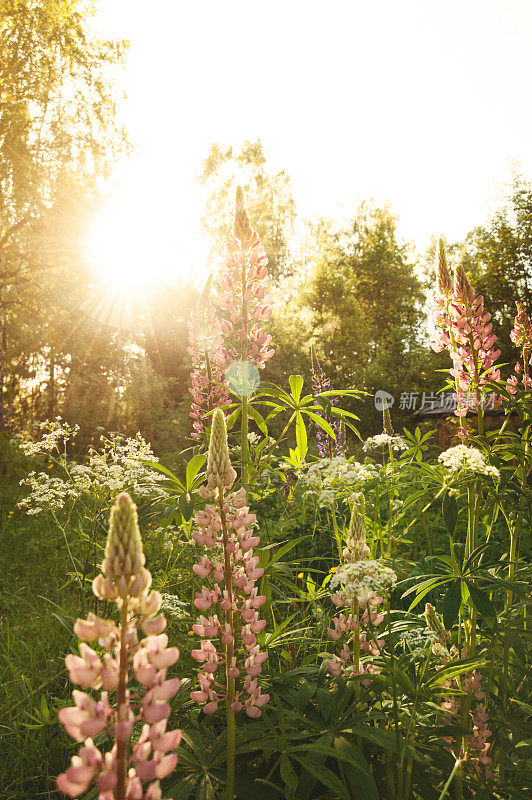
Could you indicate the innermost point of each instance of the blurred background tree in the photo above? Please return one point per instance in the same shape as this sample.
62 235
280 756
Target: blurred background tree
498 258
58 126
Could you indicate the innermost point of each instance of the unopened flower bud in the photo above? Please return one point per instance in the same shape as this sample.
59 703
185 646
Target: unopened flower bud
220 473
444 278
124 559
435 624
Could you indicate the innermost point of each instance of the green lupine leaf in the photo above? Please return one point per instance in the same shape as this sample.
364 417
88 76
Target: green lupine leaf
259 420
193 467
450 512
451 604
324 775
481 601
296 385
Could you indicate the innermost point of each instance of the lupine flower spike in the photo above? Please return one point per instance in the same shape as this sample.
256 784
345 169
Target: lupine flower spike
463 327
521 336
361 586
120 773
205 343
243 294
327 447
231 600
476 746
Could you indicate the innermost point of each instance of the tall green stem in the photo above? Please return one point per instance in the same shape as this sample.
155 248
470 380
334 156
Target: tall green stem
244 445
121 764
229 653
337 534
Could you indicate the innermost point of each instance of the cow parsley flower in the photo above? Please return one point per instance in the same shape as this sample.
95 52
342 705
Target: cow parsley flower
328 477
467 459
358 580
382 440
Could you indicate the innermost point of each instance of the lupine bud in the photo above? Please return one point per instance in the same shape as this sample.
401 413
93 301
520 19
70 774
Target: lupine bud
462 288
123 565
207 353
126 582
521 336
444 278
463 327
435 624
357 549
220 473
227 535
242 228
243 294
387 427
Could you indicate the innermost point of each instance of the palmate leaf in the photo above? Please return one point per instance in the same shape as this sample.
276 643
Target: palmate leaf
270 785
343 393
450 512
427 586
341 412
288 775
186 506
348 752
169 474
258 419
184 787
232 418
447 673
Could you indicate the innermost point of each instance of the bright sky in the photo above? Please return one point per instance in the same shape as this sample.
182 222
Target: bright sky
421 103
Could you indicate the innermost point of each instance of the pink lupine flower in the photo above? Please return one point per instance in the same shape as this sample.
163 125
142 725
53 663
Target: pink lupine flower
243 295
359 580
205 338
225 530
475 747
120 773
463 328
521 336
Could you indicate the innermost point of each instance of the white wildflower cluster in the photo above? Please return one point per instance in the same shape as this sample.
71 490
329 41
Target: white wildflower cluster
116 467
328 476
418 640
468 459
384 440
361 579
54 433
169 534
255 439
172 606
46 492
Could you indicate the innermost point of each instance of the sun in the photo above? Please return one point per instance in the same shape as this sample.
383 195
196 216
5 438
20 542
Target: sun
146 236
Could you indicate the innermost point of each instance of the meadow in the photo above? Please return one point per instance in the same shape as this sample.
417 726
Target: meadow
351 612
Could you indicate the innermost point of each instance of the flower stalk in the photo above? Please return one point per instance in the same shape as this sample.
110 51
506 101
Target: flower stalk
121 772
229 633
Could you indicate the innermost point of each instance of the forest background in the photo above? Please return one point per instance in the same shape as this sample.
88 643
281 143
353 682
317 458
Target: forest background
109 357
